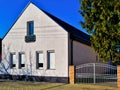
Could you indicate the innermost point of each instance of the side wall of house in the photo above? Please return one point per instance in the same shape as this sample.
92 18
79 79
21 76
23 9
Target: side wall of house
83 54
49 36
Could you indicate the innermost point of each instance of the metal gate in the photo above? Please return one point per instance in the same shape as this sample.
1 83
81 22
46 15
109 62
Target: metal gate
96 73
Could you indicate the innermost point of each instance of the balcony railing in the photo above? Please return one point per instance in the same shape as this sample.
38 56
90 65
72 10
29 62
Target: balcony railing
30 38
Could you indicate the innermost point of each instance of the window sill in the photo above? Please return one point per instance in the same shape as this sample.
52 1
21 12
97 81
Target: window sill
51 69
39 69
13 68
22 68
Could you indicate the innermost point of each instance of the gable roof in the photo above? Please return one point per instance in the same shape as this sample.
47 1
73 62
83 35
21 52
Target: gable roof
74 32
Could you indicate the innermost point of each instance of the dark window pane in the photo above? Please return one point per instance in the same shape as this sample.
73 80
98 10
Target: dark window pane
22 65
13 65
30 37
30 28
40 64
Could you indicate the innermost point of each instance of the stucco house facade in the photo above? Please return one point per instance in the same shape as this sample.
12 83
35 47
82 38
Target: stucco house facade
41 45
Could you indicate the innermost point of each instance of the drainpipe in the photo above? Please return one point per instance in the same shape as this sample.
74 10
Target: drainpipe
71 52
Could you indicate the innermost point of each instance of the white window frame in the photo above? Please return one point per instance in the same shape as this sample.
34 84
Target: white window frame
39 60
21 62
51 63
13 60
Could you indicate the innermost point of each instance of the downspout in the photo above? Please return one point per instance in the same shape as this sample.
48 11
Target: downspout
70 54
71 41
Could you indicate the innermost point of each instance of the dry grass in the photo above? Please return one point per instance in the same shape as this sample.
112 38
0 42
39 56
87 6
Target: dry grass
50 86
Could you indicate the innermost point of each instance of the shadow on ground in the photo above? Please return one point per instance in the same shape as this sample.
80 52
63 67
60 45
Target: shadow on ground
52 87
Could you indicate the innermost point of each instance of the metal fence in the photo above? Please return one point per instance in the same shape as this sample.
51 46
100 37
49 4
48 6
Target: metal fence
96 73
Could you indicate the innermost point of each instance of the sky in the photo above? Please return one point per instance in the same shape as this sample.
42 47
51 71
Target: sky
66 10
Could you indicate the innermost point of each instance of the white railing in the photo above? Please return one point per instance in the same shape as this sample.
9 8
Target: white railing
96 73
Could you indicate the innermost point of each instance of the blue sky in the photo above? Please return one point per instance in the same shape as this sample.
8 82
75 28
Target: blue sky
66 10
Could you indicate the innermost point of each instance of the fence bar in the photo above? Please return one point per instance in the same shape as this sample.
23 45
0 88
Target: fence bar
96 73
94 76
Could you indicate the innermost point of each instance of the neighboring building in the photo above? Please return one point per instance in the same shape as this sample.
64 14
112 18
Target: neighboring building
40 45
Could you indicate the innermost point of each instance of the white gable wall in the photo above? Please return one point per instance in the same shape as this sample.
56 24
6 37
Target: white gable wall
49 36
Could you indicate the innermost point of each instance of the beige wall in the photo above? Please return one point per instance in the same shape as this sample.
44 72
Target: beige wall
49 36
83 53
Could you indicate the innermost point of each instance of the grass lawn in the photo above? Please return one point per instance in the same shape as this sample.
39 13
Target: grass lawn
50 86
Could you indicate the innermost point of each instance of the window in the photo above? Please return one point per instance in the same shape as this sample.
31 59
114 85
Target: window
30 28
12 60
30 37
21 60
39 59
51 60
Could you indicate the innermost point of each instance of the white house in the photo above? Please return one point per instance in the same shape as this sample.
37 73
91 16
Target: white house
41 46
